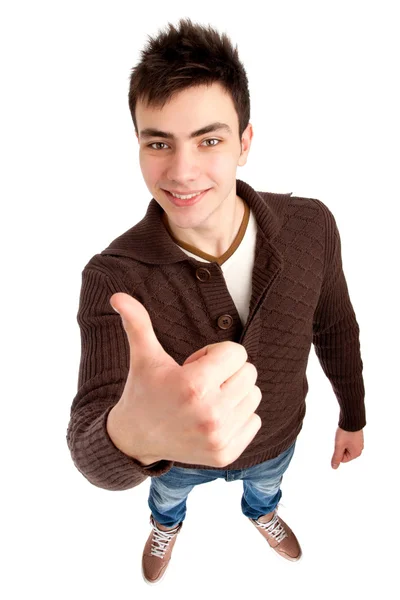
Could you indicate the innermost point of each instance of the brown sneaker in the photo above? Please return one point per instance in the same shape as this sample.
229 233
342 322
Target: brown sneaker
157 551
280 537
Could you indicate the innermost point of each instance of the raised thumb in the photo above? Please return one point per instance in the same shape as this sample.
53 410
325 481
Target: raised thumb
145 349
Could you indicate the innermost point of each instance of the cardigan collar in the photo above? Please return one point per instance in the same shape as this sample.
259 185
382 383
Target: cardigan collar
149 241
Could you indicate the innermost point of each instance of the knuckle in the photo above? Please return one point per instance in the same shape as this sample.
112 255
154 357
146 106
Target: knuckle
258 392
215 441
244 351
210 426
221 460
196 389
254 370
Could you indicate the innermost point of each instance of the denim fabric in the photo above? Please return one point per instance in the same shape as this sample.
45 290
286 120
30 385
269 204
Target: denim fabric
261 488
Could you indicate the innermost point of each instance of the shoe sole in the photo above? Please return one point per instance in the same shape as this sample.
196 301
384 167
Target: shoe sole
157 580
286 558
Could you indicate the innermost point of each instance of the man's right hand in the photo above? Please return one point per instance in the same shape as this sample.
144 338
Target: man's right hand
199 413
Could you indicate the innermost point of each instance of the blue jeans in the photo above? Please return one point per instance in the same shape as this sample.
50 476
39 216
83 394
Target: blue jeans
261 488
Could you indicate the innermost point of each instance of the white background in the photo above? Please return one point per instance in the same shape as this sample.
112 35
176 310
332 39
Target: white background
325 103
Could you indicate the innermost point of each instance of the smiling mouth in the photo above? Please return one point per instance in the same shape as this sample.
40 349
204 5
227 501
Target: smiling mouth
181 202
185 193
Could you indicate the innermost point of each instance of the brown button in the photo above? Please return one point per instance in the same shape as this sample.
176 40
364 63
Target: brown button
225 321
203 274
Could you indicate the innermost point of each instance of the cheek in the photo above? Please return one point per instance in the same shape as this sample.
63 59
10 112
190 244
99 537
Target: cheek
220 163
149 167
142 162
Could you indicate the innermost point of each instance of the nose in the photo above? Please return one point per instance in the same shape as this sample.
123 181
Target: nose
182 167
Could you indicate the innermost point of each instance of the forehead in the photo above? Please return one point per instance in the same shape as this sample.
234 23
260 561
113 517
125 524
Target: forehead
189 113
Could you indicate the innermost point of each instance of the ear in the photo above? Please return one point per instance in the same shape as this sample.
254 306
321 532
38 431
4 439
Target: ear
245 144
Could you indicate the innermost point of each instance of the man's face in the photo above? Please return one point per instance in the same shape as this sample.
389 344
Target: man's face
189 164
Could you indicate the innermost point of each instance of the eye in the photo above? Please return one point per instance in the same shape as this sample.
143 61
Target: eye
151 145
209 140
212 140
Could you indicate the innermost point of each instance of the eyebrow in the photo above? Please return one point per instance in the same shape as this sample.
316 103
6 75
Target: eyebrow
151 132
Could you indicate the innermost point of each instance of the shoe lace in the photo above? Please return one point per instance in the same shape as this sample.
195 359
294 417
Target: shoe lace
162 538
274 528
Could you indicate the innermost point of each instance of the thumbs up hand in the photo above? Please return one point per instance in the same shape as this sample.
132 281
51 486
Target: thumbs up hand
199 413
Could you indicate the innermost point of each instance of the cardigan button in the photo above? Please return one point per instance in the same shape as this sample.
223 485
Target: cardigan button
203 274
225 321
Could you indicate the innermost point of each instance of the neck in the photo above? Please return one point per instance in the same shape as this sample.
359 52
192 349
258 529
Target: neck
206 239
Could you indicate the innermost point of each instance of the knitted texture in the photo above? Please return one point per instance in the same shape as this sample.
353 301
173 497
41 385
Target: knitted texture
299 298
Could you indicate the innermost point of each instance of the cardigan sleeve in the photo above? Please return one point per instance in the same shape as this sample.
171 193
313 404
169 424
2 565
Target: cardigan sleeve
336 334
103 370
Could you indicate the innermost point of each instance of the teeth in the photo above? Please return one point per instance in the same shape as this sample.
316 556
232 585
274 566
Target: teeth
185 197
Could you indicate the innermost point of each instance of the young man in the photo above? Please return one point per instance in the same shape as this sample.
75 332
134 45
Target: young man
217 287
